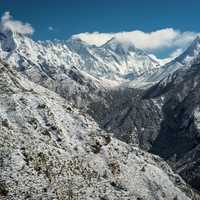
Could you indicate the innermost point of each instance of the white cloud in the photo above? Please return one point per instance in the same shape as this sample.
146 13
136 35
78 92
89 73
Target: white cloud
152 41
50 28
95 37
7 22
176 53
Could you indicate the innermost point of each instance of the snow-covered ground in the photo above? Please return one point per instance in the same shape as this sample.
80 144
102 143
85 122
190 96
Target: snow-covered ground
51 150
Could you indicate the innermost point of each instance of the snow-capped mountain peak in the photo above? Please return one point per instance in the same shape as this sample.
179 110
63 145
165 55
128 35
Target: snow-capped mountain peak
183 62
118 45
76 43
115 60
191 54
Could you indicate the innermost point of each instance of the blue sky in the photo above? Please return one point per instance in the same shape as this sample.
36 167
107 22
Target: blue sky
62 18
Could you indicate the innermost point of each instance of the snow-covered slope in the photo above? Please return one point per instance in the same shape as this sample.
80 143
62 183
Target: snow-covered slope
51 150
114 60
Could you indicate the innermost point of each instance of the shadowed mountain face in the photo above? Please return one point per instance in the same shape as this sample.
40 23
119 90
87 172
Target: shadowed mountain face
179 137
131 118
180 113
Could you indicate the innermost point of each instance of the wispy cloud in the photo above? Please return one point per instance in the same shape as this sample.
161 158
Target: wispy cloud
156 40
176 53
7 22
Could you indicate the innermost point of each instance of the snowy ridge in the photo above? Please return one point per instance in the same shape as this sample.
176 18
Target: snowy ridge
183 62
166 72
111 61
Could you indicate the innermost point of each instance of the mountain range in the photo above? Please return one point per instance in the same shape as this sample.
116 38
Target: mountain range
80 121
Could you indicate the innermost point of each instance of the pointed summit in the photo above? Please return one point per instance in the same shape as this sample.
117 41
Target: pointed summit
195 44
119 45
76 41
197 38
